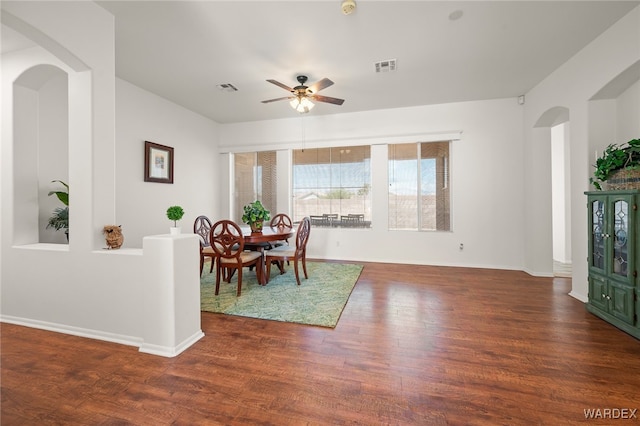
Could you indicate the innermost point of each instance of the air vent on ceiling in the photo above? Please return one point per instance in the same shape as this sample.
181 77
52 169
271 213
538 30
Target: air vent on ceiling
386 66
227 87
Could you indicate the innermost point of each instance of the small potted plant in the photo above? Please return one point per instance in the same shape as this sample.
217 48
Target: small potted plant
175 213
254 216
60 217
618 167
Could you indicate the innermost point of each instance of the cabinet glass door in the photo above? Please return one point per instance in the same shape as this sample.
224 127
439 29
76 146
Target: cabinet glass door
620 260
598 253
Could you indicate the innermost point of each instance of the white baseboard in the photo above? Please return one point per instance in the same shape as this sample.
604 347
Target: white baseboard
580 297
75 331
538 273
165 351
171 351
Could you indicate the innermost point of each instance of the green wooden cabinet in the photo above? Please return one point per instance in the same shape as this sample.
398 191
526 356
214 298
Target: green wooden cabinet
614 257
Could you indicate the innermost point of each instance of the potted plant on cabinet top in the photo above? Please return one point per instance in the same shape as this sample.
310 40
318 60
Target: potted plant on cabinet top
254 215
60 217
175 213
618 167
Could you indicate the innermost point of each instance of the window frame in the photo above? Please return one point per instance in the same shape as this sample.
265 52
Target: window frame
440 216
345 217
258 183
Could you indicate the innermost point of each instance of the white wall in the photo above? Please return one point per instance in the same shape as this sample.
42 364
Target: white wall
572 86
47 285
25 187
141 206
558 195
628 114
80 288
53 151
486 180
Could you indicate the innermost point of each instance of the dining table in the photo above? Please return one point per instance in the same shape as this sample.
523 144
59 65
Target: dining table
269 234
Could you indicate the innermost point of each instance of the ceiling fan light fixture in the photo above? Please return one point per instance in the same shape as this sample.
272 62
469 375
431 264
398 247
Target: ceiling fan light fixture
301 96
301 104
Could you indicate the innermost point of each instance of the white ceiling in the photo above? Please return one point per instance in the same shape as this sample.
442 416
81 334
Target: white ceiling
181 50
12 40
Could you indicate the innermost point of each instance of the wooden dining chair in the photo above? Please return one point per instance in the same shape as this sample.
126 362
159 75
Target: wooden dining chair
297 253
281 220
202 228
228 244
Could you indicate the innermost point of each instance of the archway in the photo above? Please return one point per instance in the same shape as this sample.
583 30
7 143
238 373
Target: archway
556 119
41 151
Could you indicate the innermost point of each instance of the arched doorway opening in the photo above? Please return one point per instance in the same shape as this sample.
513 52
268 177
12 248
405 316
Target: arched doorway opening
557 121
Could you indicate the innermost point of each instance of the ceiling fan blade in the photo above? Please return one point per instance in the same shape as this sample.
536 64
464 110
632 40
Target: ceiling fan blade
277 99
284 86
327 99
319 85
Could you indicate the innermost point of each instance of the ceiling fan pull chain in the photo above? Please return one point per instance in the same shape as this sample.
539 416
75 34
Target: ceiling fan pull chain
303 131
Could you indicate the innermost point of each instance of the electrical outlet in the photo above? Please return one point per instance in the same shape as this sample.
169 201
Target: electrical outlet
337 243
461 247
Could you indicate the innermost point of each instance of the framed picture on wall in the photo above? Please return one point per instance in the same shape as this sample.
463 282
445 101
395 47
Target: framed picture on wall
158 163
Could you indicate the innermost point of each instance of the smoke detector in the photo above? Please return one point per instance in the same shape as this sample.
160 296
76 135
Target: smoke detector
348 6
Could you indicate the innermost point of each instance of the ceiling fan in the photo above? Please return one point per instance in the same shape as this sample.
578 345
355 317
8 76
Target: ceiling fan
301 95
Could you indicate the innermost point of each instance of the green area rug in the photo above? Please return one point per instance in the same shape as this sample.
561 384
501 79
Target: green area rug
319 300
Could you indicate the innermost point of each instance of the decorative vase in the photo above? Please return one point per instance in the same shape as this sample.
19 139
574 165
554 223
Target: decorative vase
174 230
256 227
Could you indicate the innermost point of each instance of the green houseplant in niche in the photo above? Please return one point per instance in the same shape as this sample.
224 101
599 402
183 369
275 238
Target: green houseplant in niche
618 166
60 217
175 213
254 215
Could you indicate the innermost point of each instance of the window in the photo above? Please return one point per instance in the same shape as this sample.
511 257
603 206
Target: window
332 186
419 186
255 179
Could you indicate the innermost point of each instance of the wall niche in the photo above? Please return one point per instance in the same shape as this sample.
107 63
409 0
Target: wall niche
40 151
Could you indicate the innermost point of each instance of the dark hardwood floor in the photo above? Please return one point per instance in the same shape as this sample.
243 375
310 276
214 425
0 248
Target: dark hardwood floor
416 345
